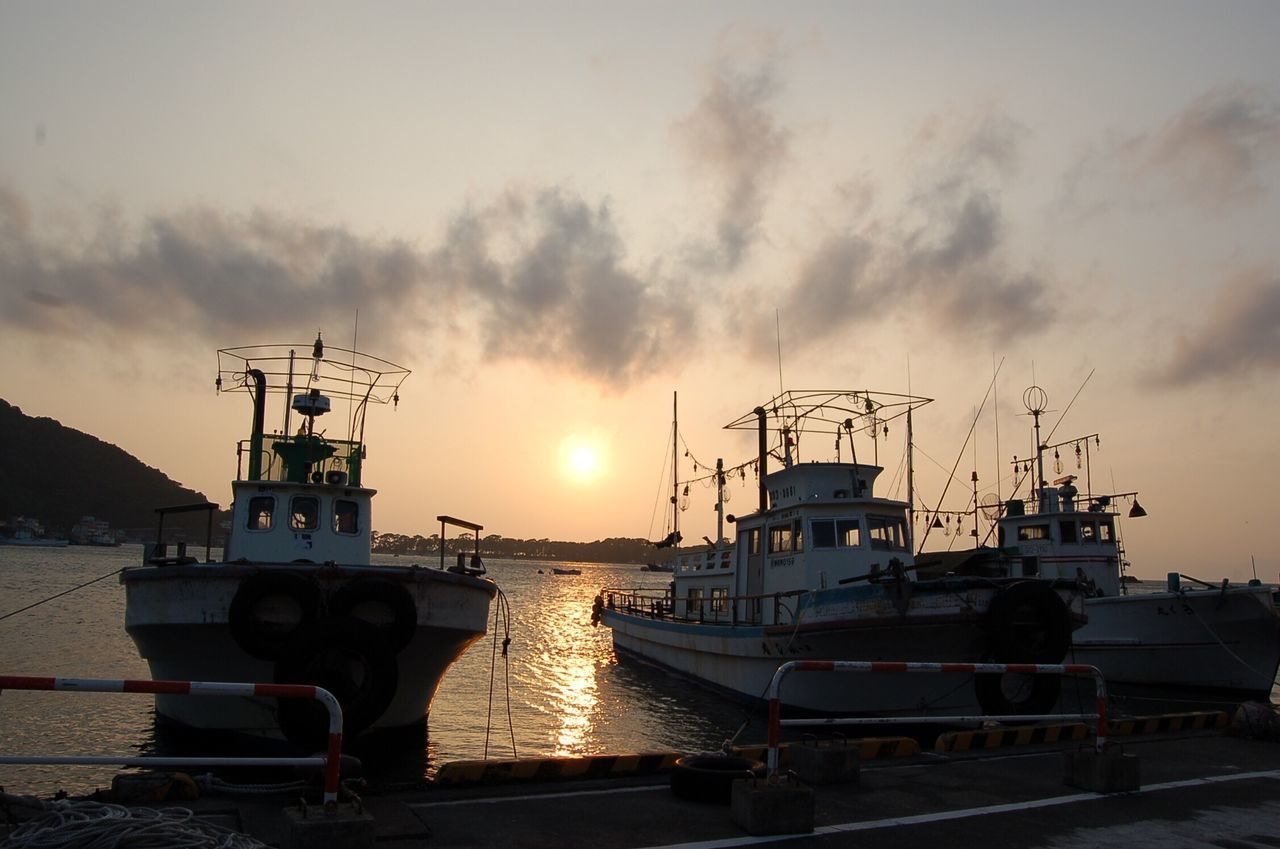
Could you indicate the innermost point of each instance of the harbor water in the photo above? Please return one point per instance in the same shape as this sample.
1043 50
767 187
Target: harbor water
559 691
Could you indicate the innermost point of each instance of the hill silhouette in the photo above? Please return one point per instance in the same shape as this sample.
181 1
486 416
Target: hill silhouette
57 474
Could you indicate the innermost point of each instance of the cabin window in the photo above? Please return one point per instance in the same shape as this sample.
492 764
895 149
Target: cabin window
1067 530
797 535
1031 533
1105 532
726 559
824 533
780 540
346 516
304 513
888 533
837 533
1088 532
261 510
753 542
719 599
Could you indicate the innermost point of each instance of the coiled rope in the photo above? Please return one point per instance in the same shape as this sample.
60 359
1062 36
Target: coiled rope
67 824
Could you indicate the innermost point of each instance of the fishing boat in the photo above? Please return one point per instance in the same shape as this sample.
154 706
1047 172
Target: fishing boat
823 570
295 598
1187 636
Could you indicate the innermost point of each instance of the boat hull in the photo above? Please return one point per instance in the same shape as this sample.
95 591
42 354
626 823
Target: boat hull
1226 641
180 619
863 624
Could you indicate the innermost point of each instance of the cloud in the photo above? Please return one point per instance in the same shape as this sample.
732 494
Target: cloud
1212 150
941 258
1210 154
562 296
537 276
1239 336
732 137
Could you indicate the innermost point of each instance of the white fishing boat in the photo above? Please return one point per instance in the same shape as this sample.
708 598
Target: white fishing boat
823 570
1189 635
295 597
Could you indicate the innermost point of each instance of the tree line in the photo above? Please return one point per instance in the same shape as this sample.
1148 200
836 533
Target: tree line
613 550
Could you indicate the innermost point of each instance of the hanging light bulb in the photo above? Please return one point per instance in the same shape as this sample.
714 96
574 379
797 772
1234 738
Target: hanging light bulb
1078 455
886 429
1057 462
317 355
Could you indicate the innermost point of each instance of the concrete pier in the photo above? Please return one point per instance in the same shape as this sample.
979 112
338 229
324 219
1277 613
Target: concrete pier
1199 788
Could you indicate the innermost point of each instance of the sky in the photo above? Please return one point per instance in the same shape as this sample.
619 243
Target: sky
558 214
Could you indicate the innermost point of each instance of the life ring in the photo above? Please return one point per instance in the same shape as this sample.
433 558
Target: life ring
1027 622
384 604
347 657
270 608
709 778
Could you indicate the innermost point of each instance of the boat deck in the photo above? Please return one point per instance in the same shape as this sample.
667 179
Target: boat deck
1199 788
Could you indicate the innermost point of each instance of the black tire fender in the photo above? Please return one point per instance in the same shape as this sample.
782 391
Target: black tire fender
272 591
1020 695
385 604
1028 622
348 658
709 778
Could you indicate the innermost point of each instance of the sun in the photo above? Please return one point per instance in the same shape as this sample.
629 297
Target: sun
581 458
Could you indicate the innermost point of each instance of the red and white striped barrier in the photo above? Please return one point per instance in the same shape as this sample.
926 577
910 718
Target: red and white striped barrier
331 761
775 707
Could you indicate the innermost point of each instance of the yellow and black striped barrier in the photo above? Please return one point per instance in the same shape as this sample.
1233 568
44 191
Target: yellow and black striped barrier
1022 735
1168 722
552 769
868 748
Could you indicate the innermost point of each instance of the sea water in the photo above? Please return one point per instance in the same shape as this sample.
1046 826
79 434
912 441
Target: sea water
559 691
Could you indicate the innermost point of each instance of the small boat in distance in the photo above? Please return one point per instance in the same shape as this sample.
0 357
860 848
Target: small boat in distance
296 598
823 570
566 571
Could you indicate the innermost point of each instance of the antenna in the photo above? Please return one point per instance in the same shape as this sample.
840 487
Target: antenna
777 321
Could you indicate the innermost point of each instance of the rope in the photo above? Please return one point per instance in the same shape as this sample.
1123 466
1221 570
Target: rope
503 610
61 594
66 824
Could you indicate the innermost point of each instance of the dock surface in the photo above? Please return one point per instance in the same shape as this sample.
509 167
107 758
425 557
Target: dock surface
1198 789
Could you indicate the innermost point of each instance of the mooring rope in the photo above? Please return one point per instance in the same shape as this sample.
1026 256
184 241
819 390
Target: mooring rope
501 612
61 594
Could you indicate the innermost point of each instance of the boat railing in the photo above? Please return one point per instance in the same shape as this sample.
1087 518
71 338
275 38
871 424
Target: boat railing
704 609
333 460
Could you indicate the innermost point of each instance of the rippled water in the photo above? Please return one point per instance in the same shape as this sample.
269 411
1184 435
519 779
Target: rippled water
568 694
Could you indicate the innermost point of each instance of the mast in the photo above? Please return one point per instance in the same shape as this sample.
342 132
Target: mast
675 471
719 500
911 484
